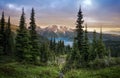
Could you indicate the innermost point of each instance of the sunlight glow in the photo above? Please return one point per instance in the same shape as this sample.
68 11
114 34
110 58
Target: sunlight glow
87 2
11 6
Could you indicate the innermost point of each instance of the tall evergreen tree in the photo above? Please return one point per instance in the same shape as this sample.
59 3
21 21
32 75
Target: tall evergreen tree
34 38
2 34
109 52
45 54
67 49
79 30
101 49
54 45
9 39
75 58
51 48
23 41
51 44
93 48
85 53
60 47
2 29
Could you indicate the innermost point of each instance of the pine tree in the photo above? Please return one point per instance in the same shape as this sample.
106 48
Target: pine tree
67 49
51 48
101 49
85 53
75 55
63 47
2 29
109 52
45 54
60 48
74 60
93 49
9 39
2 34
23 41
79 30
51 44
34 38
54 45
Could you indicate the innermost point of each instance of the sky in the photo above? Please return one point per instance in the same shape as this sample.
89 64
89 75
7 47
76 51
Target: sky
64 12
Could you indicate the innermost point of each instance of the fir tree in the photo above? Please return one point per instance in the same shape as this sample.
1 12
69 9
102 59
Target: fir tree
85 53
60 47
79 30
9 39
67 49
2 34
35 50
51 44
23 41
93 49
101 49
51 48
45 54
74 60
75 55
2 29
54 45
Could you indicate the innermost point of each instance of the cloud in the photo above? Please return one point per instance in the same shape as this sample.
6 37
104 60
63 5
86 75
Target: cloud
13 7
17 7
64 11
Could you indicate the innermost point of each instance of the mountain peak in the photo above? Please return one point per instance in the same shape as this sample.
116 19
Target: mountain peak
56 31
56 28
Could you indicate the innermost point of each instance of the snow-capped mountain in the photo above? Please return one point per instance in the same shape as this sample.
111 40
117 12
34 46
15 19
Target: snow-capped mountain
56 31
68 34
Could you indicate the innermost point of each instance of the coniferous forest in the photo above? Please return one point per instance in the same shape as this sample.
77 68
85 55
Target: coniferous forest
26 54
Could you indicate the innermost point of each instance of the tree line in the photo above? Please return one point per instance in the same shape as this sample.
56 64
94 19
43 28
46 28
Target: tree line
25 45
86 53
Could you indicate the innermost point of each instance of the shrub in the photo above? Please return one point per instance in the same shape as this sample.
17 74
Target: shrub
97 64
114 61
102 63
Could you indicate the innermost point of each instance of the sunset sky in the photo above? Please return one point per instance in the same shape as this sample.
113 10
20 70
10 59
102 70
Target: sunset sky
64 12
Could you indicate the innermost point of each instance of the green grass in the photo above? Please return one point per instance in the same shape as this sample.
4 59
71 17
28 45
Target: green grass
11 69
112 72
16 70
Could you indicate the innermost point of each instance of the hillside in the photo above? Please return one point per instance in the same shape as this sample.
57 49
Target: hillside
67 33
